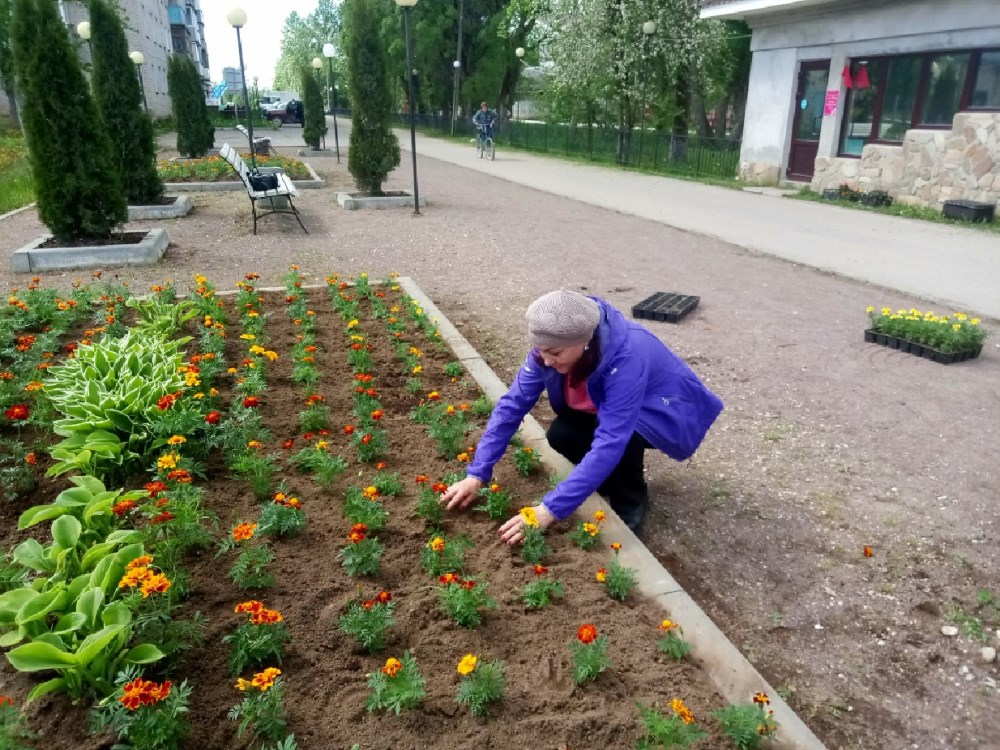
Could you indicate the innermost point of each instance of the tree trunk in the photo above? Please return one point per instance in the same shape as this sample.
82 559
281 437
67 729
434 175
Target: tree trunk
681 124
701 117
15 118
722 117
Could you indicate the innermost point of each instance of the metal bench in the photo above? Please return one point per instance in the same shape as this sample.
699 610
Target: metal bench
260 145
279 199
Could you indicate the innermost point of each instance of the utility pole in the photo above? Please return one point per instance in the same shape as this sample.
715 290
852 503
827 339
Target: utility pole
458 66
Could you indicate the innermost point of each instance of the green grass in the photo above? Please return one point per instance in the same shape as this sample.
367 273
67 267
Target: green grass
17 188
898 209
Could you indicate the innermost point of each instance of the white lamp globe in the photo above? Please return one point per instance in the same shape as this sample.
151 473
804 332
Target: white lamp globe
519 52
137 57
317 63
406 3
456 65
237 17
83 29
328 50
649 28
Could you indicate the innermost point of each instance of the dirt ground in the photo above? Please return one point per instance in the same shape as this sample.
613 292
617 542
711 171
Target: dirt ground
827 444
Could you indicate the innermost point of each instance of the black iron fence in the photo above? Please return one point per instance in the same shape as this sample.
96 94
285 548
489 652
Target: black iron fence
653 150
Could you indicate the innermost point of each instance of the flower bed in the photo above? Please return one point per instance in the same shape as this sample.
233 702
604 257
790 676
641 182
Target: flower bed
217 169
279 555
943 338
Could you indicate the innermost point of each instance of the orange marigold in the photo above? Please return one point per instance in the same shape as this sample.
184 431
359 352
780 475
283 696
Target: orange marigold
586 634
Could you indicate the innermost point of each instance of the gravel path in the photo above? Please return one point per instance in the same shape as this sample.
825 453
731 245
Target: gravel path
827 444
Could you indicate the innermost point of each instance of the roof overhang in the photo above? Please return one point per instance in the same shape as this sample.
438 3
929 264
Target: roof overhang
742 9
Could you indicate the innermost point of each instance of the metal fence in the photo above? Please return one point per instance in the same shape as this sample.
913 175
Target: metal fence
653 150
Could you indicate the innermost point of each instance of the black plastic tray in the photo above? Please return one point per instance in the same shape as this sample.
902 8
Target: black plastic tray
666 306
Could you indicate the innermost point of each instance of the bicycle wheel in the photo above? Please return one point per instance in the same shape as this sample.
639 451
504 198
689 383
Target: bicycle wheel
491 149
479 148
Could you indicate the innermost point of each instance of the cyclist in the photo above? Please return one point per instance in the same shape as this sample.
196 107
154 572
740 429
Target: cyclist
484 120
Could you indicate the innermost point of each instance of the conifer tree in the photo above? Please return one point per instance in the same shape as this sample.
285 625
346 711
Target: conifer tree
119 100
313 116
78 190
374 150
195 134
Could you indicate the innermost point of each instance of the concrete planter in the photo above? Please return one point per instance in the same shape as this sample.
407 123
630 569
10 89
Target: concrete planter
352 202
313 183
31 257
180 207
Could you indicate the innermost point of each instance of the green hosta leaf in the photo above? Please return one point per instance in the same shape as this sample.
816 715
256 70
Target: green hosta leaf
31 554
11 603
90 604
34 657
40 606
49 686
122 421
116 614
13 637
69 623
144 653
66 531
95 643
95 554
40 513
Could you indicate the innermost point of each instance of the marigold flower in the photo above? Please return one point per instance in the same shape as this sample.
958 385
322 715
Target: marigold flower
176 440
244 531
366 438
377 414
468 664
449 410
586 634
180 475
761 699
467 584
165 402
264 680
422 479
436 544
18 413
417 369
529 516
392 666
249 606
6 700
155 488
265 616
601 575
371 492
433 396
155 583
540 570
439 487
122 508
682 711
616 546
667 625
6 375
383 597
600 516
34 385
868 551
349 429
288 444
31 458
462 458
591 529
251 401
162 518
449 578
167 461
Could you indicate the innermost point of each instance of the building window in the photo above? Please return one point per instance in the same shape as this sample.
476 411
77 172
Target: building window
890 95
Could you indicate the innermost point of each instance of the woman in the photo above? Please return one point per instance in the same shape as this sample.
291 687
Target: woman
616 390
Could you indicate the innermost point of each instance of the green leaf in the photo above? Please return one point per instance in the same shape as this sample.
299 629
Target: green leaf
12 638
69 623
95 554
39 513
34 657
11 603
49 686
90 604
66 531
39 607
95 643
31 554
116 614
144 653
121 421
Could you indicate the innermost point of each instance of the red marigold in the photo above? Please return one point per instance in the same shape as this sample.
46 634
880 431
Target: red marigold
540 570
586 634
251 401
155 488
377 414
422 479
349 429
468 585
366 438
165 402
162 517
439 487
288 444
384 597
122 508
449 578
31 458
17 413
213 417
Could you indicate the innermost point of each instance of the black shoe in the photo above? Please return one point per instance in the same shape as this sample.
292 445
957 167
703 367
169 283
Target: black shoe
632 515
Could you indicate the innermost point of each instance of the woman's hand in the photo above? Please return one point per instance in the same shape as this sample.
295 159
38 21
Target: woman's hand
511 532
460 494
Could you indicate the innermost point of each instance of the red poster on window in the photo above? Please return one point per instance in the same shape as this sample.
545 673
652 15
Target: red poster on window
830 103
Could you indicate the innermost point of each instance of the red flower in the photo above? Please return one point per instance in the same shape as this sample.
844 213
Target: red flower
422 479
155 488
468 585
31 458
166 402
287 445
380 465
586 634
868 551
377 414
251 401
307 436
366 438
17 413
162 517
439 487
449 578
384 597
349 429
213 417
540 570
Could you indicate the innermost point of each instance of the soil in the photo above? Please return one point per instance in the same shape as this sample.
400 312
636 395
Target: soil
827 443
324 670
123 238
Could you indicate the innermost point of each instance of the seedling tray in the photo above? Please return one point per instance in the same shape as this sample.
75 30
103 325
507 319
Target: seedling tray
910 347
667 306
969 210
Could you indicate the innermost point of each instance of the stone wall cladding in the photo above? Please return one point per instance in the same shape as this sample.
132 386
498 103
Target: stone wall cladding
930 167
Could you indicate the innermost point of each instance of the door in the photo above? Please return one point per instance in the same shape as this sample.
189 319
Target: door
809 95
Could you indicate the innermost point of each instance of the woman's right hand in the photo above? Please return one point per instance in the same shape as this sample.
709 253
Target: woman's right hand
460 494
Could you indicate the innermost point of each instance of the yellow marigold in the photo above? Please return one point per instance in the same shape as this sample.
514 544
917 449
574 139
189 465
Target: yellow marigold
371 492
176 440
155 583
264 680
682 711
436 544
468 664
244 531
353 324
529 516
600 516
321 445
601 575
462 458
199 279
974 321
140 562
34 385
271 355
392 666
616 546
416 352
167 461
247 336
417 369
667 625
591 528
256 349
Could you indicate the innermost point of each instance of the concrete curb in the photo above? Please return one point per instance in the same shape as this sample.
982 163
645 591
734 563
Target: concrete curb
177 209
315 182
732 674
16 211
145 253
351 203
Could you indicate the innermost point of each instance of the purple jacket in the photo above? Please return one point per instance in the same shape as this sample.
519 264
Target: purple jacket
639 385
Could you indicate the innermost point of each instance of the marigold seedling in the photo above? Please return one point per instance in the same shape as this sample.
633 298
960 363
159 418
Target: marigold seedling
589 653
482 684
397 686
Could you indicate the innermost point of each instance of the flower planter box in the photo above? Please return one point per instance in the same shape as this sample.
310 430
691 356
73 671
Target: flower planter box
919 350
969 211
667 306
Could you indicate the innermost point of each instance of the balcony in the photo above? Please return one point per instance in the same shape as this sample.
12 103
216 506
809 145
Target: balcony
176 15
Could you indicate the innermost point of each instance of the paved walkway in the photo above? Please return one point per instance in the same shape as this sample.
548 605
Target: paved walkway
952 266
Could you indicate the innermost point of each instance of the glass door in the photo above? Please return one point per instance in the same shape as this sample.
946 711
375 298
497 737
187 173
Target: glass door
809 96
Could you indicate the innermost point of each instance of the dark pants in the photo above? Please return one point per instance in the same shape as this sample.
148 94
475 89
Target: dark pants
572 434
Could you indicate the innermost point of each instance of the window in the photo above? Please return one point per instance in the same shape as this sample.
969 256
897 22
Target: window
890 95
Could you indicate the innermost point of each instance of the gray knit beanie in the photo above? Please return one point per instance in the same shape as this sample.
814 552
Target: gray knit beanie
562 318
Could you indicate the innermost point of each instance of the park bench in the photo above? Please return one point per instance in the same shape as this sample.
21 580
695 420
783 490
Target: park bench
279 199
260 145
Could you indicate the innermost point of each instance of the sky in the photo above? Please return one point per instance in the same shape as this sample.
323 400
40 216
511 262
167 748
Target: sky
261 35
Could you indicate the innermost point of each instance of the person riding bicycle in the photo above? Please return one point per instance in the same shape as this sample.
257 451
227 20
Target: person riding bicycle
484 120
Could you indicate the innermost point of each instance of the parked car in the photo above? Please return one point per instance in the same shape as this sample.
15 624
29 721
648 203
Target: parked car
286 112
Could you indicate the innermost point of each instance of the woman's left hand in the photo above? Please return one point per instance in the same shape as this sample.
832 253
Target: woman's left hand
511 532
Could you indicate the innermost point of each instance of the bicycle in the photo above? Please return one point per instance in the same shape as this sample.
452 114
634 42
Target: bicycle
485 145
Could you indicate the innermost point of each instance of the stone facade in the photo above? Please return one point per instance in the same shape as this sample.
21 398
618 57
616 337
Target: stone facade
930 167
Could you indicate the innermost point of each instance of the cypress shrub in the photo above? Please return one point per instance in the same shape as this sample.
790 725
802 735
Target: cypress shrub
313 115
78 190
374 150
119 100
195 134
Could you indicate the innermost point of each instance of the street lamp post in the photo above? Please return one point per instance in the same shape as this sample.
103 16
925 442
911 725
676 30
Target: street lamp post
138 58
328 53
519 53
317 64
457 66
648 29
407 6
237 18
83 30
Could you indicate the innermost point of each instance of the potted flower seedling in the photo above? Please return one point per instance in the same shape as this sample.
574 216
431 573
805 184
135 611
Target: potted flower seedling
262 710
464 599
677 729
748 724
